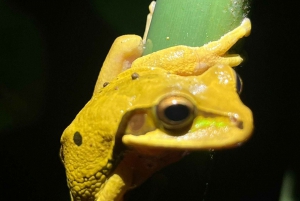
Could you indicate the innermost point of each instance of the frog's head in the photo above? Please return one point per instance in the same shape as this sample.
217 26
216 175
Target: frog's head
187 113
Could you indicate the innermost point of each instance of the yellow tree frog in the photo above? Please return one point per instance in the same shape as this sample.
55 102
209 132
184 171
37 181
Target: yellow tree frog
147 111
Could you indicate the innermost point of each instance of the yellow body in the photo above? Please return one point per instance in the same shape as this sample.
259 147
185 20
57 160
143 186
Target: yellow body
124 133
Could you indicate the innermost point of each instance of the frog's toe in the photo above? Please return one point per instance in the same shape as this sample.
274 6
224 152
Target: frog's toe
231 60
247 25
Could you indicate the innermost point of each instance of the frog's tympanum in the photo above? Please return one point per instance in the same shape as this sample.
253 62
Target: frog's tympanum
147 111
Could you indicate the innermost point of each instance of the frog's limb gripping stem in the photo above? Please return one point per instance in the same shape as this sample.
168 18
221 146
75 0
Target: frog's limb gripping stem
149 18
185 60
117 184
129 173
221 46
113 189
123 52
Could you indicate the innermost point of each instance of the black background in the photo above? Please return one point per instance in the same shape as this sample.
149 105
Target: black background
51 53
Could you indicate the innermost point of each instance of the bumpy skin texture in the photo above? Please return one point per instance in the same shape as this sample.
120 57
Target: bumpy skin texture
120 137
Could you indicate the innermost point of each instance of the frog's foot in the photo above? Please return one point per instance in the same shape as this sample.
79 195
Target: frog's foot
221 46
231 60
247 25
149 18
186 61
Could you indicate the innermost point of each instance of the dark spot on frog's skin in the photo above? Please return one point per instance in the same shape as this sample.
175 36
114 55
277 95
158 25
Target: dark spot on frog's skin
105 84
77 138
134 76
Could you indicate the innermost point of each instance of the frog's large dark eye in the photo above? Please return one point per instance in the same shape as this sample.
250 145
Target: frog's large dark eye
175 112
239 83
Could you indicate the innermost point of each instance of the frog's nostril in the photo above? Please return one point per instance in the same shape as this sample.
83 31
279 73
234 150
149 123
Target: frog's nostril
235 121
240 125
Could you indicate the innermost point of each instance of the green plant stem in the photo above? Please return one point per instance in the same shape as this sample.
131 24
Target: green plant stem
193 22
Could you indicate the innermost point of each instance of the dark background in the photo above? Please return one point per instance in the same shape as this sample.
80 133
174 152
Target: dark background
50 56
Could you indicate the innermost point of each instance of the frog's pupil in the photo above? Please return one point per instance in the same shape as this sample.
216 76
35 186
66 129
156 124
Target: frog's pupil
177 112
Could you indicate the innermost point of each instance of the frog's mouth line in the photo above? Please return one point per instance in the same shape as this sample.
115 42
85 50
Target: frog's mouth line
216 121
206 131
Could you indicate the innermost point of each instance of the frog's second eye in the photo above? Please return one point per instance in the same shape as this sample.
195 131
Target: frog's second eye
175 112
239 83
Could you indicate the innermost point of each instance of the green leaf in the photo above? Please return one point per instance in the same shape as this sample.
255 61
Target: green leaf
193 22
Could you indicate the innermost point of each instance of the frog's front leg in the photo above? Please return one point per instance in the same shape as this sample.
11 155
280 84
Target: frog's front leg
121 179
122 53
113 189
184 60
133 170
